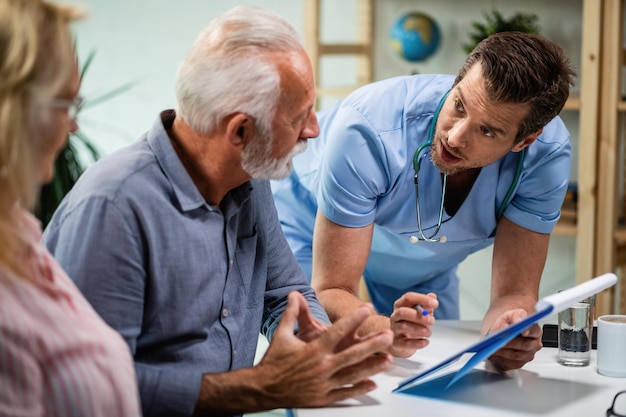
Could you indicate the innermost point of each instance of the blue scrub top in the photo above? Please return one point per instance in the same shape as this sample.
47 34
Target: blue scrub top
360 171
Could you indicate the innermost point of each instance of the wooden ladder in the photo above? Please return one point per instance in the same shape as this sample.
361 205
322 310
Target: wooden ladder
362 49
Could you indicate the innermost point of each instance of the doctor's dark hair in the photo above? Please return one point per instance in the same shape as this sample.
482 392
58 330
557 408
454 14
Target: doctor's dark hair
524 68
231 68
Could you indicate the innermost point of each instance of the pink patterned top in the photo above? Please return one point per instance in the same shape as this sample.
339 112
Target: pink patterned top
57 356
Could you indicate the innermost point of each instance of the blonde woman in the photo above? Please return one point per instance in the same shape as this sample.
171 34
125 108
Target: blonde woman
57 357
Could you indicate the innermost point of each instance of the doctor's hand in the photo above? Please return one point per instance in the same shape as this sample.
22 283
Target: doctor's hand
324 364
520 350
410 327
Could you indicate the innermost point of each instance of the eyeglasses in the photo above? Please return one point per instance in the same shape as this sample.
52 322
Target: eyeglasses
618 407
72 106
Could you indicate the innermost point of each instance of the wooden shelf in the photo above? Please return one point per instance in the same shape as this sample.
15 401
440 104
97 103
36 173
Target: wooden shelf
572 103
567 223
565 229
620 236
334 91
344 49
620 245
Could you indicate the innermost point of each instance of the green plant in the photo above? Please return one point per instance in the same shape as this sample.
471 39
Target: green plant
495 23
69 165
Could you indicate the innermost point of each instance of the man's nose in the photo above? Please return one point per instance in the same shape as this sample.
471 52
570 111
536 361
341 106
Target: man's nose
457 135
312 127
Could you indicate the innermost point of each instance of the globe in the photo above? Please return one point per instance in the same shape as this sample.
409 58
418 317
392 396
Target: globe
415 36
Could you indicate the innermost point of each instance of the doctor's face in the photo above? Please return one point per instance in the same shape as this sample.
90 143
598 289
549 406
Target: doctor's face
471 131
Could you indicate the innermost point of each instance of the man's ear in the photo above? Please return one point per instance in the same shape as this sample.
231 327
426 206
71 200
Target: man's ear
524 143
240 129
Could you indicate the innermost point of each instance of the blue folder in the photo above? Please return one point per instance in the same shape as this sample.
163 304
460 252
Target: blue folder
484 348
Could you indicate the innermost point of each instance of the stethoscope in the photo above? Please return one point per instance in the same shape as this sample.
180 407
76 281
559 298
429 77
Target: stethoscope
416 166
420 230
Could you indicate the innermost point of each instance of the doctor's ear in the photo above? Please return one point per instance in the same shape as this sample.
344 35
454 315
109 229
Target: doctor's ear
527 141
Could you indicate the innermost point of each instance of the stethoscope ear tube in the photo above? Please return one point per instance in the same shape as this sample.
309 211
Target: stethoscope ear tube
509 193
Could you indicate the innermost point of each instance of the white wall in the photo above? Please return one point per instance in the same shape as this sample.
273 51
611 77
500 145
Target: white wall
145 40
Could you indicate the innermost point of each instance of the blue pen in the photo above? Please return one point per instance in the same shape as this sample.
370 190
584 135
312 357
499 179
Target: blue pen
421 310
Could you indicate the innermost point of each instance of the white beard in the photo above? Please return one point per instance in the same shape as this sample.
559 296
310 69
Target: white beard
258 163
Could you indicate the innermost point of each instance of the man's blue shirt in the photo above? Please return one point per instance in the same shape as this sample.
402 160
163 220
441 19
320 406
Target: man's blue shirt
189 286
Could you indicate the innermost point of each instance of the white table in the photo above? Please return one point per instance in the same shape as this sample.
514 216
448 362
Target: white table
541 388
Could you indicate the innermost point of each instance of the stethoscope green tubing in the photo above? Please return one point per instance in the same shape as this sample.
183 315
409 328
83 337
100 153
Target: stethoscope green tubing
416 166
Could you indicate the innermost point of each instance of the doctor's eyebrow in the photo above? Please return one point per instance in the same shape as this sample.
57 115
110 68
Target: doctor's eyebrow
497 130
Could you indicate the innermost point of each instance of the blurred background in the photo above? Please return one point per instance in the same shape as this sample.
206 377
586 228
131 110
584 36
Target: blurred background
351 42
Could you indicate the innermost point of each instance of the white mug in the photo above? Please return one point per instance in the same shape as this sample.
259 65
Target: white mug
612 345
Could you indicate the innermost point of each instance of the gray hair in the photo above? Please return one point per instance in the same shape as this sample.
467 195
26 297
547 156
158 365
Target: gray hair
229 68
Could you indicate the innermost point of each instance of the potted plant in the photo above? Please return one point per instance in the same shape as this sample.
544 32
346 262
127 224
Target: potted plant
69 164
495 23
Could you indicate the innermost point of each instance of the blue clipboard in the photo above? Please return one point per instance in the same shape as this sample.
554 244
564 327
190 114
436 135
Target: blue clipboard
484 348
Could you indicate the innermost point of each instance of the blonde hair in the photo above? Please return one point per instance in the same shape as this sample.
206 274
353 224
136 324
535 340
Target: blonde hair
36 59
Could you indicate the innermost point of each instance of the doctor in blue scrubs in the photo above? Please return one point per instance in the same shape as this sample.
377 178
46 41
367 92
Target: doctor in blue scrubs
412 174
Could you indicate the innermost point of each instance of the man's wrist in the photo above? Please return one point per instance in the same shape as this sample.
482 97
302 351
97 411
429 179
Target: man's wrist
234 392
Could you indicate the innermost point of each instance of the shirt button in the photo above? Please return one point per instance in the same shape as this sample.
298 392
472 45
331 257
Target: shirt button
230 263
224 312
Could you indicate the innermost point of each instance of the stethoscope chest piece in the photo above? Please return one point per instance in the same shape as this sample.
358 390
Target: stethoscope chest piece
414 239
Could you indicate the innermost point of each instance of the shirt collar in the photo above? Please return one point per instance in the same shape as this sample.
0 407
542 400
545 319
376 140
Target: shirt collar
183 186
184 189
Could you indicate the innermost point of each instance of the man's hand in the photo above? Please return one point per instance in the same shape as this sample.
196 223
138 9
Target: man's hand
309 328
410 327
323 365
520 350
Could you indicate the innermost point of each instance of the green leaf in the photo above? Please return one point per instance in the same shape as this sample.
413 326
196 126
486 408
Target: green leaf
94 153
109 95
87 63
495 22
68 165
